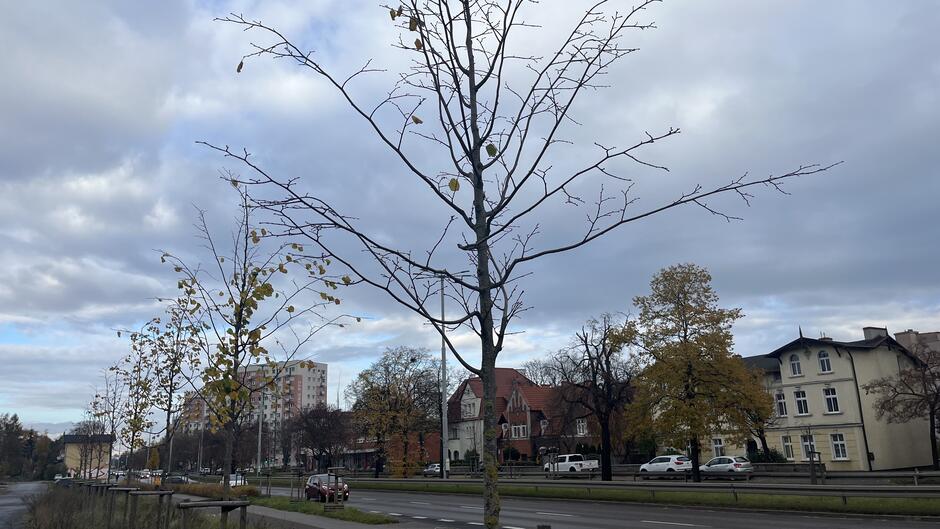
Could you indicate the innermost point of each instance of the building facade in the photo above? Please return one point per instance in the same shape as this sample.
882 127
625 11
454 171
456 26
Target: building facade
821 406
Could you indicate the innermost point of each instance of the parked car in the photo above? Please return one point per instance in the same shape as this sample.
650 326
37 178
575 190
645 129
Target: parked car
727 464
674 463
235 480
176 480
58 477
434 469
205 471
571 463
144 474
322 487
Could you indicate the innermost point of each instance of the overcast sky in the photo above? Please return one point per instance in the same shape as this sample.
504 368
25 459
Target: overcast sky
102 102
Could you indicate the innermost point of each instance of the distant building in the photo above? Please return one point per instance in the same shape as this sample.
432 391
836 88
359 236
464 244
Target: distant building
820 405
87 456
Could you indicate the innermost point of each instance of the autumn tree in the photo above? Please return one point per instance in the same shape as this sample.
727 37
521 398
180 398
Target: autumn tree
396 397
596 373
541 371
176 344
755 411
136 373
912 394
480 123
251 314
692 381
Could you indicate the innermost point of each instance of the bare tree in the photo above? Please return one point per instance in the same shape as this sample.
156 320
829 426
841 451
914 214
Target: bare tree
107 406
541 371
248 317
597 375
914 393
501 137
326 431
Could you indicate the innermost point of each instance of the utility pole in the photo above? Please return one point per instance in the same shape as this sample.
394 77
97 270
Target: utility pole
444 450
260 415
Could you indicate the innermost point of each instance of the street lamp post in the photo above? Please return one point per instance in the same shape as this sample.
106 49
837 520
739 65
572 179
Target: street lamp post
444 450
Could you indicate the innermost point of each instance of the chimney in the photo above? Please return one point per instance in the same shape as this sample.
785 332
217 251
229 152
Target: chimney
874 332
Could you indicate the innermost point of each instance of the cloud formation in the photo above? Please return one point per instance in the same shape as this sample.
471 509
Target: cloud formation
102 105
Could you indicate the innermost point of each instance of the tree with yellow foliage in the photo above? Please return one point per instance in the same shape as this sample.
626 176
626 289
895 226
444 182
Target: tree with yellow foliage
692 384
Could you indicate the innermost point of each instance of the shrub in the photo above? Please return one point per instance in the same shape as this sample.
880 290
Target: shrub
772 456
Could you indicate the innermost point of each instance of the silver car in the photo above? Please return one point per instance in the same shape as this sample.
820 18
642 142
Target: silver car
673 463
727 464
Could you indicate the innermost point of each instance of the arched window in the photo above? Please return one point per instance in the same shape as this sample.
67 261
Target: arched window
795 368
825 366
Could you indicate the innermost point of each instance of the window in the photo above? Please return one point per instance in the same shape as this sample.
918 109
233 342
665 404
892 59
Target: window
787 447
802 405
781 405
468 409
809 445
839 452
795 368
824 365
519 431
832 400
719 447
581 426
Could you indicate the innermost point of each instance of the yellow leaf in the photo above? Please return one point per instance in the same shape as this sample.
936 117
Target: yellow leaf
419 45
417 120
392 13
491 150
413 25
290 308
454 185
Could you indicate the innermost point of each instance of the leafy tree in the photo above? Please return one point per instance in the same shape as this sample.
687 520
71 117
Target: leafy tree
596 374
397 396
755 410
496 116
136 372
692 382
243 308
912 394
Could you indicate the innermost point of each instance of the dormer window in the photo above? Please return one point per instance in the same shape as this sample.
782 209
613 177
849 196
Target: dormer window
825 366
795 368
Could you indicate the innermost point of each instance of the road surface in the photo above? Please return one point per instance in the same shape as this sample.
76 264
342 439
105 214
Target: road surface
12 505
466 511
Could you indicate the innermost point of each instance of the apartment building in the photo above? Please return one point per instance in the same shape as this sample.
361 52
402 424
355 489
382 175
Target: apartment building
822 407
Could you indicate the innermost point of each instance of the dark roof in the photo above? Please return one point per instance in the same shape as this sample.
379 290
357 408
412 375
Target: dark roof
85 438
504 384
761 362
872 343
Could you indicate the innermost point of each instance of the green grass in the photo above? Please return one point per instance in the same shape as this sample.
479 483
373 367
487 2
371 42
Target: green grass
348 514
900 506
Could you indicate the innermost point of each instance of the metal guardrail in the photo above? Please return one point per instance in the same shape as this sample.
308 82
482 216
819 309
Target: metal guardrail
843 491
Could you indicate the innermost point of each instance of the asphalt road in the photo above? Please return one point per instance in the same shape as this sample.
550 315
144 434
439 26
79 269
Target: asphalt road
465 511
12 505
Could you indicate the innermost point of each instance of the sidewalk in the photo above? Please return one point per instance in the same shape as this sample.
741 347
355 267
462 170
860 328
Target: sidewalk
294 520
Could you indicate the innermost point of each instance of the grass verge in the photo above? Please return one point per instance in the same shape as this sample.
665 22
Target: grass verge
348 514
890 506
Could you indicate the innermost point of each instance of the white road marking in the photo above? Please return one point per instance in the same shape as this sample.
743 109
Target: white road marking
470 507
420 517
444 520
419 502
555 514
367 499
394 514
375 512
512 527
673 523
474 523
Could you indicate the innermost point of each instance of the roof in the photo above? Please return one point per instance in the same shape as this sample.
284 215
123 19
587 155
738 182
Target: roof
85 439
871 343
504 383
764 362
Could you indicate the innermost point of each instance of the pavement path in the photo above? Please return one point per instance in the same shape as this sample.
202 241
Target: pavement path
465 511
12 502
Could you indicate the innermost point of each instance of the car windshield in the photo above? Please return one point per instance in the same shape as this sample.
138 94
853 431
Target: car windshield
682 458
575 458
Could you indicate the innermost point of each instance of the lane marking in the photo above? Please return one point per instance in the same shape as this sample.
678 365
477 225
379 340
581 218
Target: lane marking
470 507
444 520
555 514
419 502
420 517
512 527
673 523
474 523
375 512
367 499
394 514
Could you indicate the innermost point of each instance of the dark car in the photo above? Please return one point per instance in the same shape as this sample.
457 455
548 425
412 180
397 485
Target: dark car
322 487
176 479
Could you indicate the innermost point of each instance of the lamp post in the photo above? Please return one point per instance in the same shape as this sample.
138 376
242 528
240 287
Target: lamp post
444 450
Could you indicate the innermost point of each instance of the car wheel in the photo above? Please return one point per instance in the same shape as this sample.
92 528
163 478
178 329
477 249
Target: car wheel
572 469
670 470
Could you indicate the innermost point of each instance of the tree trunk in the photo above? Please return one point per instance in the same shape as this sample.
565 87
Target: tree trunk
607 473
695 450
933 440
491 506
169 441
762 437
227 460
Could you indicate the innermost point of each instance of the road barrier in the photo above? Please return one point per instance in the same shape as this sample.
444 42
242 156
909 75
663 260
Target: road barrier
843 491
224 508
